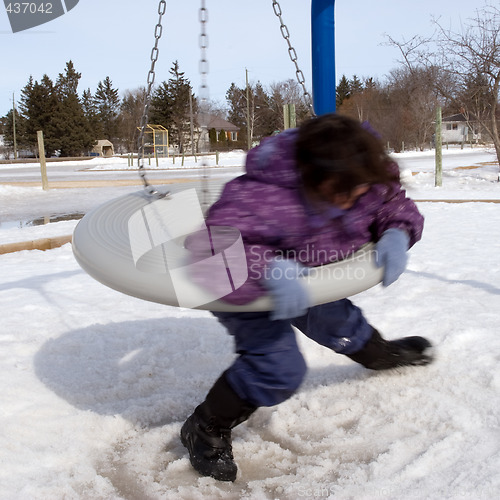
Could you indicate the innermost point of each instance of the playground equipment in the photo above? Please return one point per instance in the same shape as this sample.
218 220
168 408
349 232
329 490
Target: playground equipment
155 140
134 244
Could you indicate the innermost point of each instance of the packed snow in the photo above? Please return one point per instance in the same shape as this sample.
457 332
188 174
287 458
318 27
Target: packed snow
95 385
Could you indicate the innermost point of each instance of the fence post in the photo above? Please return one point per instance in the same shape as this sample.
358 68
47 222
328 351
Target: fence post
43 164
292 115
439 151
286 117
289 116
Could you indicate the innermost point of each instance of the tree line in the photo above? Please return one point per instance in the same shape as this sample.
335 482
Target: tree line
72 123
457 71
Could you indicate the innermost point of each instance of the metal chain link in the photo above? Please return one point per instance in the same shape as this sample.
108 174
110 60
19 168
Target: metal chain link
293 56
204 94
147 101
203 15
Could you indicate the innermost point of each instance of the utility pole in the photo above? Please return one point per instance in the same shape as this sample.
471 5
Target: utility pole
191 121
14 125
249 135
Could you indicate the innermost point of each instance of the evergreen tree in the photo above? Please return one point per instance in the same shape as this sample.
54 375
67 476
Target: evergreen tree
343 91
370 84
90 111
236 100
180 92
67 82
107 104
171 106
222 138
212 136
251 110
355 86
265 121
37 104
161 110
69 128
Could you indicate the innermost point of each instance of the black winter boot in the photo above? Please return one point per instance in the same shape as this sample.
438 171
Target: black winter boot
207 432
381 354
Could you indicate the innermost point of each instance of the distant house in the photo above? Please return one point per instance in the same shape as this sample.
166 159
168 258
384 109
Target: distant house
457 129
218 124
104 148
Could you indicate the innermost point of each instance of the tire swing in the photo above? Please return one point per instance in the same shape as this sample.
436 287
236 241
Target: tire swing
135 244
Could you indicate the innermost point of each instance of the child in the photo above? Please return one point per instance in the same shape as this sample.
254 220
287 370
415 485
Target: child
310 196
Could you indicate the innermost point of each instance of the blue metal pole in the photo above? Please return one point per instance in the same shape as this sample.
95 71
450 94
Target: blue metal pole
323 55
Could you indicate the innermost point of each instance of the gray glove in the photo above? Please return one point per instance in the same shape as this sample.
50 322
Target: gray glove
290 298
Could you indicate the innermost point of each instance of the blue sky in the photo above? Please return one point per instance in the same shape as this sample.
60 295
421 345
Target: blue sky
114 38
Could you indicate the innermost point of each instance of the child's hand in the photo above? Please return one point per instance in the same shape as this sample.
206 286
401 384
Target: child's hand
390 253
290 298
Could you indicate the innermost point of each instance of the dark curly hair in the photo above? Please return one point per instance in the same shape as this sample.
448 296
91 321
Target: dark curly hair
343 151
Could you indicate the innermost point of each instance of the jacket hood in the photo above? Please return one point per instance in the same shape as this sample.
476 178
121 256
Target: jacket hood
273 160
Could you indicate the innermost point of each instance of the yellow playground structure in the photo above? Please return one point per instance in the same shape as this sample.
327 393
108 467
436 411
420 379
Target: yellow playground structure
155 141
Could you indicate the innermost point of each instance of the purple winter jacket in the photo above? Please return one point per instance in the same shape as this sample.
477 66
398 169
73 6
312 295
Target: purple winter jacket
268 207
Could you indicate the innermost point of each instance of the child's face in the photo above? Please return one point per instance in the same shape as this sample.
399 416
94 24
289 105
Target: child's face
344 201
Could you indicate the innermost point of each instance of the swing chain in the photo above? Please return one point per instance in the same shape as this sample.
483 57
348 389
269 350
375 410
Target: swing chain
293 55
147 101
204 94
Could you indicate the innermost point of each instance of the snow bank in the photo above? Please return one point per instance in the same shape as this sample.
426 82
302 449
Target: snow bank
95 385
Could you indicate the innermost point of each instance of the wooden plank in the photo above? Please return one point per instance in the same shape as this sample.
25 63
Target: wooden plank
40 244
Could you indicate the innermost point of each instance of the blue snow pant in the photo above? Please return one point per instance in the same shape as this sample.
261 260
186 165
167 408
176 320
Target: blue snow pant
269 367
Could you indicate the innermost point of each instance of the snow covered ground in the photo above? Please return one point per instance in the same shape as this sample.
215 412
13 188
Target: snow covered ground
95 385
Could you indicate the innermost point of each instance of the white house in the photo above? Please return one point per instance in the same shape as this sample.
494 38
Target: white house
457 129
